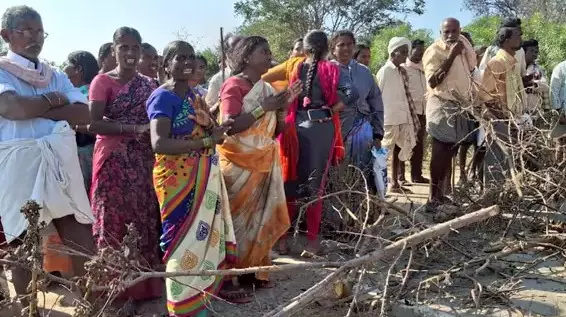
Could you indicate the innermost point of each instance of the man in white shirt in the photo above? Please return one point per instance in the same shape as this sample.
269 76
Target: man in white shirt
401 123
417 86
218 79
38 152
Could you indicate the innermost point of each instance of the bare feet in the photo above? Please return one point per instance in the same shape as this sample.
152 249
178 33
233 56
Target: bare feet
312 247
283 247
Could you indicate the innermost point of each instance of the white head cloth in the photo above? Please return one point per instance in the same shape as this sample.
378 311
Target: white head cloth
397 42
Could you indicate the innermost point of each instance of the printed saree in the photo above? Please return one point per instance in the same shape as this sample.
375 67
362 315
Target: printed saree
250 163
122 190
197 226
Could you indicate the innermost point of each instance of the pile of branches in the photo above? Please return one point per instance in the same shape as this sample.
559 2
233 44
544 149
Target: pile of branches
392 254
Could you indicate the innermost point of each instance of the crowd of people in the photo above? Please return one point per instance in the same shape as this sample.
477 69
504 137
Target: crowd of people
212 178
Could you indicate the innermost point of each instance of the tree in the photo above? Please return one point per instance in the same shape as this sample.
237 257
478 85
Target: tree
282 21
213 60
554 10
551 36
381 39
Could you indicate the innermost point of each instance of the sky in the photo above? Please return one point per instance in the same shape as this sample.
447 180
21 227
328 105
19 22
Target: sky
85 25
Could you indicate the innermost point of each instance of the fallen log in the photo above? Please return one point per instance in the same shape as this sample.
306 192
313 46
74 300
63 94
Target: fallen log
432 232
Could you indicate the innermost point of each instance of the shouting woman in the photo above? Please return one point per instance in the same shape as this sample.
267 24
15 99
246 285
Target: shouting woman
195 212
122 192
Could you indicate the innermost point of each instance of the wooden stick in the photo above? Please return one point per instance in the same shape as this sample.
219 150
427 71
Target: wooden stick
394 248
222 54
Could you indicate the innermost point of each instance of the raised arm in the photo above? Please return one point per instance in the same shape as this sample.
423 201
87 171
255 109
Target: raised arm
276 73
436 68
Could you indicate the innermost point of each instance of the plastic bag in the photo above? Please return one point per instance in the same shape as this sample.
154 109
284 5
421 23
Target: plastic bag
380 170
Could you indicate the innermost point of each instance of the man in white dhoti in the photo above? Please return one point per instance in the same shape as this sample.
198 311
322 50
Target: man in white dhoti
38 153
401 121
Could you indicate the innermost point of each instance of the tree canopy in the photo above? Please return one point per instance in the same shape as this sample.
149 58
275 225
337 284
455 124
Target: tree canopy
550 35
554 10
282 21
380 41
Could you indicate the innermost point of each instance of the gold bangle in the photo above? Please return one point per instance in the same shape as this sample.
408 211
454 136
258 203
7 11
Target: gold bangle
258 112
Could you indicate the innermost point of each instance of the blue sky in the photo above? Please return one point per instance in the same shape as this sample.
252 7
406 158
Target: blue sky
85 25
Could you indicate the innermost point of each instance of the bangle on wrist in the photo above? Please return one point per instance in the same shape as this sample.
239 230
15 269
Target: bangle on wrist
48 100
121 128
58 99
258 112
208 142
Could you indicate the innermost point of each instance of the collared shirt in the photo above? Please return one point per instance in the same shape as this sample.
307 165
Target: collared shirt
491 51
558 86
458 77
417 86
36 127
214 86
502 82
369 102
395 103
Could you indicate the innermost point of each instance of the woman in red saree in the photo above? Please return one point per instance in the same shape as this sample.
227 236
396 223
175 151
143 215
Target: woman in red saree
122 190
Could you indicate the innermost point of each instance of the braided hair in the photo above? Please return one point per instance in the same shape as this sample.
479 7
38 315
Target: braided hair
316 46
242 51
170 51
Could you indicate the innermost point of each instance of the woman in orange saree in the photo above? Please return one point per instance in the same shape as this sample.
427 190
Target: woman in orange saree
249 157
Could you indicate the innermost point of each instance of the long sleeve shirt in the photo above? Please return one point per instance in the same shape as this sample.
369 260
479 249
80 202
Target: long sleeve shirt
366 98
558 86
396 104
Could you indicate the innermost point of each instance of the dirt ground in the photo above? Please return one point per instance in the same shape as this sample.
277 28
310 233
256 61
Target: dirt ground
543 293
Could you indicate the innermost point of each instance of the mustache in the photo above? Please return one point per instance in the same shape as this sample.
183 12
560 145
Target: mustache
33 45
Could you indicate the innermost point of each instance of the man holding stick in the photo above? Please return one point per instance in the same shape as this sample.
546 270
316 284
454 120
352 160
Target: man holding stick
218 79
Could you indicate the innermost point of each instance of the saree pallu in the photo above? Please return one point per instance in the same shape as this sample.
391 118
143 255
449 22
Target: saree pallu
122 194
250 164
358 143
197 227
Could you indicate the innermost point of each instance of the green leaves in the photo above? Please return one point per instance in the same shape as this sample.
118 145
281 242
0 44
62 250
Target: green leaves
381 39
282 21
550 35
